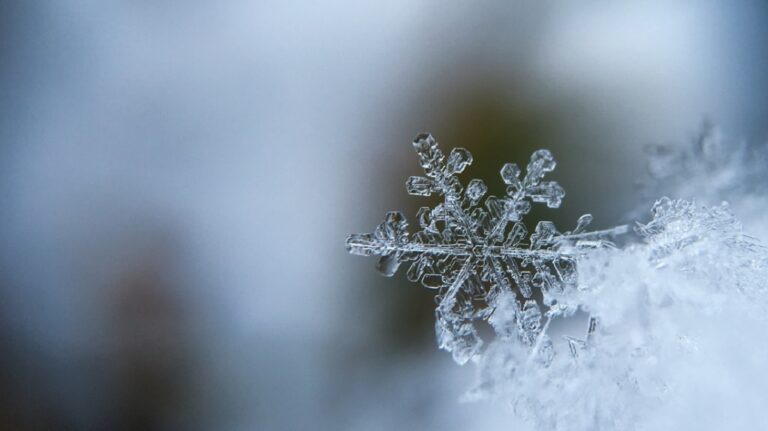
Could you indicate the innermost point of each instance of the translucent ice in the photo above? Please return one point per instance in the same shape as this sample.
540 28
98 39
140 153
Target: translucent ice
679 310
474 248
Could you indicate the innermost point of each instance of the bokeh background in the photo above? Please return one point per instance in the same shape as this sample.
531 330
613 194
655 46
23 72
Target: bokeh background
177 179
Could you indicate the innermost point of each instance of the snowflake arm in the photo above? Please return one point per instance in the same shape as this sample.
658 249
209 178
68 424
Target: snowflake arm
475 249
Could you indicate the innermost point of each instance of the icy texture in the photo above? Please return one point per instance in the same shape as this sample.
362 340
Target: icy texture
477 253
710 169
669 332
669 326
667 315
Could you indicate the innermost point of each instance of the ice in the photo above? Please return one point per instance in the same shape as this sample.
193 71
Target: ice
682 305
582 223
541 163
476 189
475 249
459 159
510 173
548 192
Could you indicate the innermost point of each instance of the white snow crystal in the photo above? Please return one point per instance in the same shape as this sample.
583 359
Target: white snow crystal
664 317
475 249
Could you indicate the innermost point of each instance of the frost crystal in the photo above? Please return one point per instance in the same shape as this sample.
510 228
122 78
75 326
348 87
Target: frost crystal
677 311
674 318
477 253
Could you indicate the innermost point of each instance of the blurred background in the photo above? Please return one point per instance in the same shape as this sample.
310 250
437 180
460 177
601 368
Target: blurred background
177 180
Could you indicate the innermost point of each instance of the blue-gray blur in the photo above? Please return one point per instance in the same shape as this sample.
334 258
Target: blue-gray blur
177 179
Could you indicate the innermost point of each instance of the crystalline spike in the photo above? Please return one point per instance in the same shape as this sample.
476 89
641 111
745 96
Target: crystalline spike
430 156
419 186
582 223
363 244
424 143
541 163
458 160
510 173
465 249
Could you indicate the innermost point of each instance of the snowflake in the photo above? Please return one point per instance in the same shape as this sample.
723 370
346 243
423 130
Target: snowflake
476 251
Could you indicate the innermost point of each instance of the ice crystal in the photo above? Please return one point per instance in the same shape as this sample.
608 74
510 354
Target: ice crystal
666 314
711 238
477 253
672 319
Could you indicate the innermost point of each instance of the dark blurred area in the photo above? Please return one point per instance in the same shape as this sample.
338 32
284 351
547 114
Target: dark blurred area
178 178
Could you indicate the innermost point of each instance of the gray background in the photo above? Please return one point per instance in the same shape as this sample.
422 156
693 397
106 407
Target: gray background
177 179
